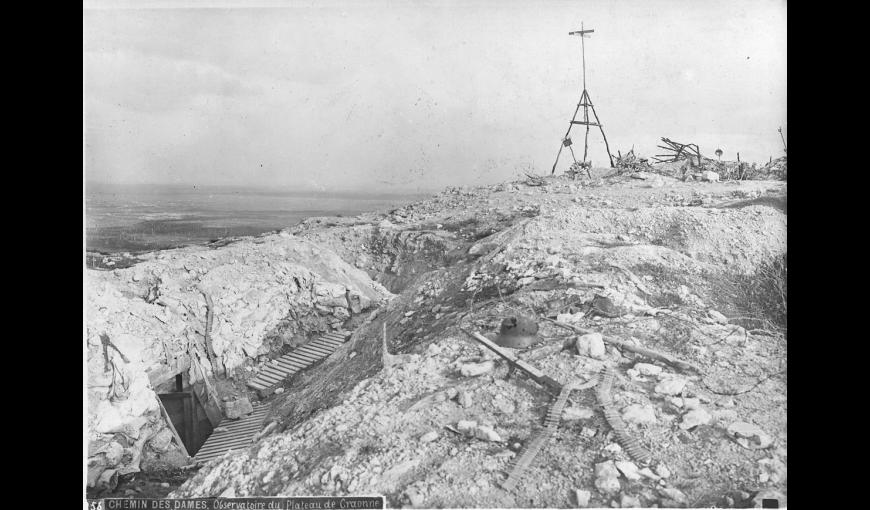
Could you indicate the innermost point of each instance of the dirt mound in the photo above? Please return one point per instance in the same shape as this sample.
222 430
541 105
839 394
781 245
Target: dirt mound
147 322
686 273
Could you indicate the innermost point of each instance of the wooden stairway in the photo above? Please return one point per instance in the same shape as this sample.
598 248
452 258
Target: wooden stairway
278 370
232 434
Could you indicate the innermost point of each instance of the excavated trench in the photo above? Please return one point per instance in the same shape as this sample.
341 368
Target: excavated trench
428 267
403 261
398 259
187 413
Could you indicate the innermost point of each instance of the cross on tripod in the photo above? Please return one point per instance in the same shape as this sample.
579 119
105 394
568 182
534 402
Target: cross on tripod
586 104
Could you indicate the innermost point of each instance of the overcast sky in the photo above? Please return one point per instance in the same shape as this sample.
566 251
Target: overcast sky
418 95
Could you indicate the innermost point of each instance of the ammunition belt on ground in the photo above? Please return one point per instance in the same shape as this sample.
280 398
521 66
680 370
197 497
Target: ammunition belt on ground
614 419
524 460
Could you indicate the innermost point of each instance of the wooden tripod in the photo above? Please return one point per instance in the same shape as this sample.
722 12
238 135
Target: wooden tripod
586 104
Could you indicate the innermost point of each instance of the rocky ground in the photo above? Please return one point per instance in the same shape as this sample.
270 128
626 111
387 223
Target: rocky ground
694 270
267 294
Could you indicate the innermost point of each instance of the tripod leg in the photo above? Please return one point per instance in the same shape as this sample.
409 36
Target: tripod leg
557 159
586 144
570 125
603 136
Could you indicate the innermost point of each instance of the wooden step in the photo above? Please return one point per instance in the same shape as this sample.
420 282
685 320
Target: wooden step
277 371
236 434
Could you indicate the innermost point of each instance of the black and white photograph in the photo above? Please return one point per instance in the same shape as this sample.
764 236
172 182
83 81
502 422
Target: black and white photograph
421 254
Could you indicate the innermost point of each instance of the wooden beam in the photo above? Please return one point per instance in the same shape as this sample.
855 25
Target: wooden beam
163 373
176 396
172 429
538 376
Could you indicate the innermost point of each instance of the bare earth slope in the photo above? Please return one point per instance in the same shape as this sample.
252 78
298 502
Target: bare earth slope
693 270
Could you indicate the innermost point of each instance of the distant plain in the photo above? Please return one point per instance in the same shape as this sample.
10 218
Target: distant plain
136 218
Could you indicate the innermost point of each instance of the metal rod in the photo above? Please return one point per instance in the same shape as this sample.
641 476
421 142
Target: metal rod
583 46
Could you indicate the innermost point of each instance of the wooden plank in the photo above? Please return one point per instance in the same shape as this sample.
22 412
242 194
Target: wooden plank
288 367
244 443
176 396
297 365
319 347
298 353
205 457
328 350
231 426
316 351
279 376
274 365
335 342
163 373
172 428
235 433
303 363
289 372
274 372
533 372
270 372
265 386
268 378
256 385
243 436
332 342
273 369
214 456
289 358
308 357
239 425
320 351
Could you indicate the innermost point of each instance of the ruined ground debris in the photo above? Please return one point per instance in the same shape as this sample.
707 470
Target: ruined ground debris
659 264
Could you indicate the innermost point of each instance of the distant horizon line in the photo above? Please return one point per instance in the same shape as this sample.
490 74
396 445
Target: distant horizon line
265 187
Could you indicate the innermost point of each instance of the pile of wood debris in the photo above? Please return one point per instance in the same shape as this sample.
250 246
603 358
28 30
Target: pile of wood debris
631 163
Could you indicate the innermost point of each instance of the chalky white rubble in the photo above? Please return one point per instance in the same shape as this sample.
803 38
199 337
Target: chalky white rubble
471 257
266 292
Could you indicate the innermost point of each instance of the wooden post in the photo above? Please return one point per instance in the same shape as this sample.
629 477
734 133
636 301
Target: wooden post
570 125
606 145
